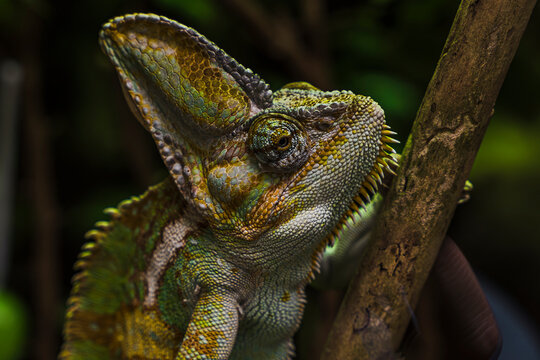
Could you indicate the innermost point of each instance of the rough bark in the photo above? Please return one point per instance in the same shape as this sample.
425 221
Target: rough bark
436 161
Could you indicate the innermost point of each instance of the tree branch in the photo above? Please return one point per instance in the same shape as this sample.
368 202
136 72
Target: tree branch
436 161
282 38
46 212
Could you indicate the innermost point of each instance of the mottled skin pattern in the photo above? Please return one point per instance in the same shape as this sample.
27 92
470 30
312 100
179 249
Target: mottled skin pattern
212 263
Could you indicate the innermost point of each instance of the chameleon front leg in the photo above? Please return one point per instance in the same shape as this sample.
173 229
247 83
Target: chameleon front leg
211 333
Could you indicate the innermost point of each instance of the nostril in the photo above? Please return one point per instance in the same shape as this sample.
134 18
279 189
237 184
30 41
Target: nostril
324 124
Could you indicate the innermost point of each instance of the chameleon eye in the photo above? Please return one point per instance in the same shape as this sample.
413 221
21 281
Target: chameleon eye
284 143
278 141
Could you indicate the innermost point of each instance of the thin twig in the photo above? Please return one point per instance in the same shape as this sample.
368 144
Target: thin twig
10 84
282 39
39 167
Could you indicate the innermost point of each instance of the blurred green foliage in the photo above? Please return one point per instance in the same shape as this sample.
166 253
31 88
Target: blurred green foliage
509 146
387 49
201 10
13 326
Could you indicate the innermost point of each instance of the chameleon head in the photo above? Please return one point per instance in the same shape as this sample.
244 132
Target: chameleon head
332 149
259 168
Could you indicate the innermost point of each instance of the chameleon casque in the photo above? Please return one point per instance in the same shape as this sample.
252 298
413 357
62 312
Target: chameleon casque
212 262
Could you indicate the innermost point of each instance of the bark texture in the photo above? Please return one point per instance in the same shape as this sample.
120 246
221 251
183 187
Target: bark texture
436 161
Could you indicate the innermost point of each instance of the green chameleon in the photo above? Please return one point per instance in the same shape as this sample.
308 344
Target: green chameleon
264 190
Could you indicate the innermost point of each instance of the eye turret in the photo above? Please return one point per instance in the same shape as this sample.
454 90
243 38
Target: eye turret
279 142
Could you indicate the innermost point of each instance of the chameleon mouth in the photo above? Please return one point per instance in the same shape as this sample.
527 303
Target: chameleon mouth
385 163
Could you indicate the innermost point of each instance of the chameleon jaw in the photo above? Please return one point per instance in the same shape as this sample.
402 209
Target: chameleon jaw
384 163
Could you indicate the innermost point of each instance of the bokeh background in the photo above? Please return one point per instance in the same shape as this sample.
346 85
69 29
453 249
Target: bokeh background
70 147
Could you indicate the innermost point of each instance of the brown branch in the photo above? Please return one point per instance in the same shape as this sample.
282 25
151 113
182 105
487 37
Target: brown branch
315 22
46 211
436 162
11 75
281 38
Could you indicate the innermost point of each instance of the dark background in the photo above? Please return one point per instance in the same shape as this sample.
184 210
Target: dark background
76 148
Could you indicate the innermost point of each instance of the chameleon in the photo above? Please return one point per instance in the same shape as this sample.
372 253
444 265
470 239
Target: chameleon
264 190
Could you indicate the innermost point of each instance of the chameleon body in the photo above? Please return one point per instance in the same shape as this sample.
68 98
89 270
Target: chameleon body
212 263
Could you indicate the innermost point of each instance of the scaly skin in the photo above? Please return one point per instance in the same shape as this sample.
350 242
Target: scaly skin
212 263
